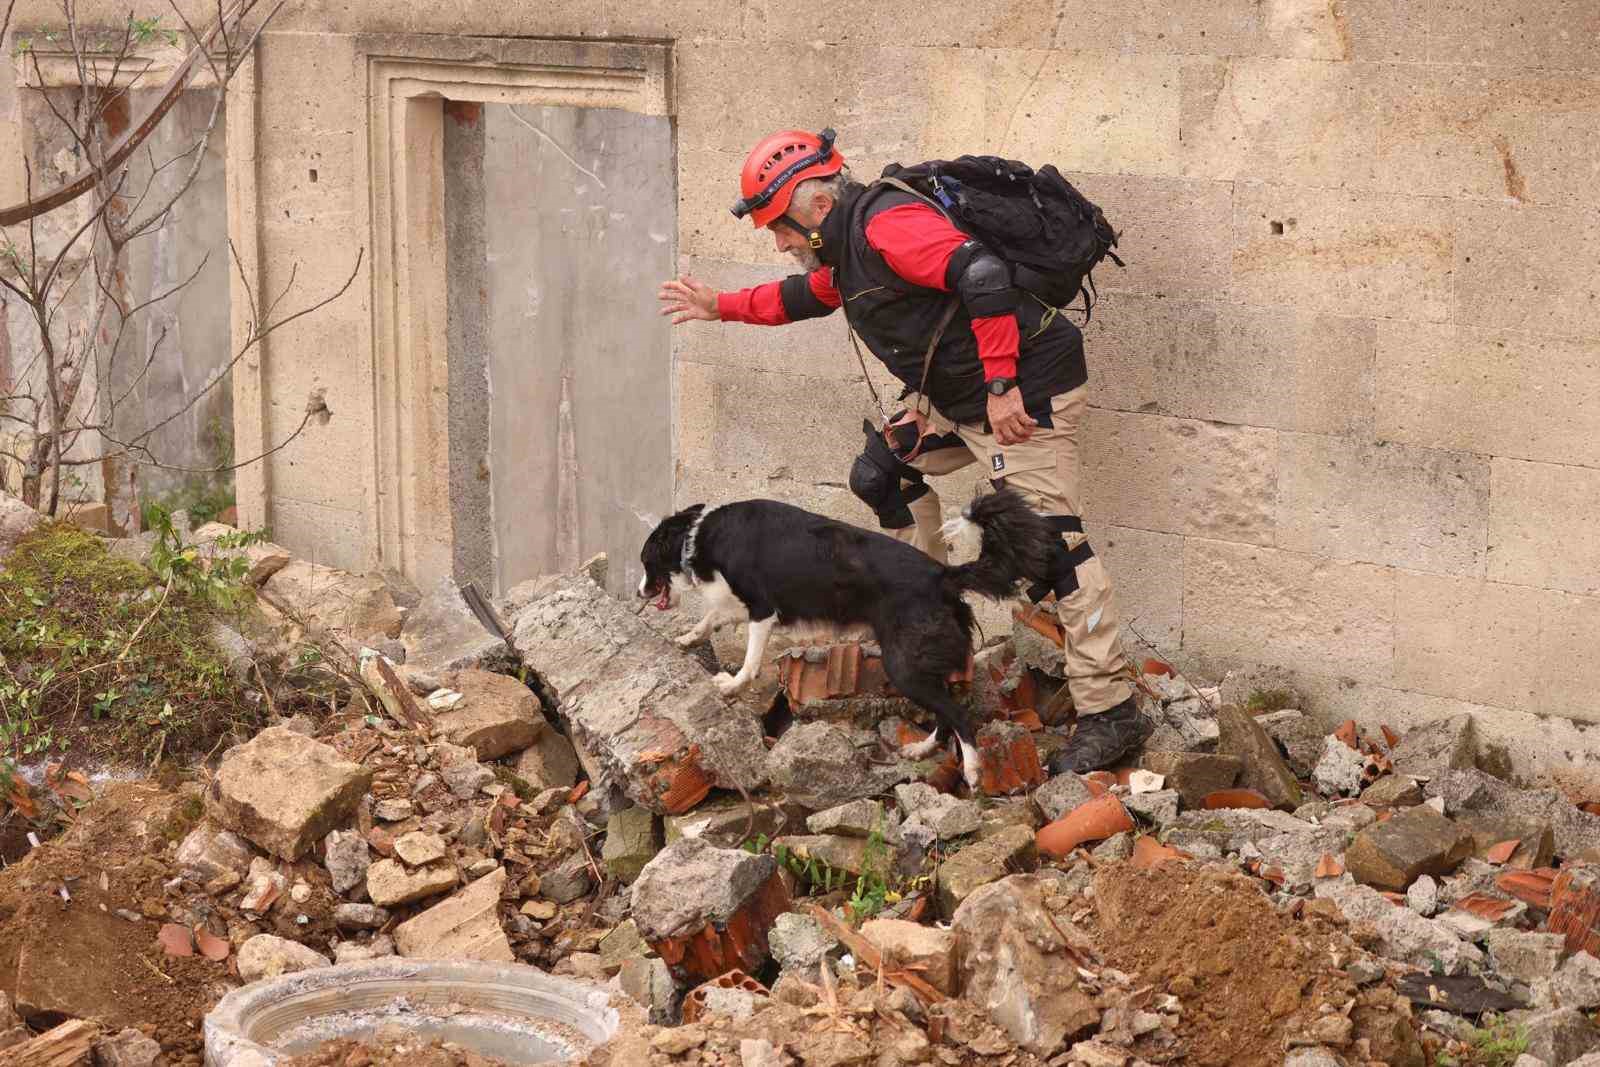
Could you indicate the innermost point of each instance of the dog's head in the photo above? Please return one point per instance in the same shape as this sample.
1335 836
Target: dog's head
662 557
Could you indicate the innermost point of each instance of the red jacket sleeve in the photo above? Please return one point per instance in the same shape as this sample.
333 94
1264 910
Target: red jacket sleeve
763 305
917 243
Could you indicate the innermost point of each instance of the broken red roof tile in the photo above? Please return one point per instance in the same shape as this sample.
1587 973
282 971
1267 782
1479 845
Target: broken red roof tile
1155 666
1234 798
175 940
1008 760
1329 867
1093 820
1041 623
1575 908
1389 736
1484 906
1499 854
1148 852
1531 887
1346 732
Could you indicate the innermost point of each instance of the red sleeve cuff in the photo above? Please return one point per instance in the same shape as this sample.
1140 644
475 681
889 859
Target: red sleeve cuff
759 306
998 338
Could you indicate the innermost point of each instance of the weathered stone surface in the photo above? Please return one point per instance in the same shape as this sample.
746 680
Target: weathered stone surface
1574 984
127 1048
1264 769
466 926
723 821
1194 774
818 766
1338 770
1524 956
925 950
631 697
1299 736
947 816
1011 850
649 983
1428 750
347 859
1230 829
1393 791
353 952
1417 841
355 607
708 910
622 943
497 715
463 775
441 635
394 809
549 763
1159 808
1473 791
16 521
284 791
1061 794
1014 963
1423 896
418 848
1402 934
859 818
263 559
632 841
1297 854
268 956
1536 841
568 881
389 884
800 944
359 916
1561 1036
208 852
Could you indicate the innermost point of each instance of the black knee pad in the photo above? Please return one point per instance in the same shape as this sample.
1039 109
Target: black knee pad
1062 579
876 478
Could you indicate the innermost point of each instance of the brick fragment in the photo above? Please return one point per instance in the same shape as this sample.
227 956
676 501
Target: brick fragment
1009 761
1575 909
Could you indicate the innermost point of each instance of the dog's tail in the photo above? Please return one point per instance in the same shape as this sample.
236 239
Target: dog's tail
1016 542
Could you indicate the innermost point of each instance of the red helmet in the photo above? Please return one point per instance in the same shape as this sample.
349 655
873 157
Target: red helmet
779 163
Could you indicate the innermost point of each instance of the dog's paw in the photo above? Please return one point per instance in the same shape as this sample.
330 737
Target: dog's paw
687 639
727 684
920 749
971 766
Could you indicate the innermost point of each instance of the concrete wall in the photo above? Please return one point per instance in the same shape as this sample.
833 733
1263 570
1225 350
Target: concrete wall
1345 392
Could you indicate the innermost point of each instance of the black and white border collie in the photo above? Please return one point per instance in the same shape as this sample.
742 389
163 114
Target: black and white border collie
774 564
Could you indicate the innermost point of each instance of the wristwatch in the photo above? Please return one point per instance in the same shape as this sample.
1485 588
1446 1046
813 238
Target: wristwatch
1001 386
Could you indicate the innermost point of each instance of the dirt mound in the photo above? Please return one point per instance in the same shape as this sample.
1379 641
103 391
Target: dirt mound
404 1052
1251 978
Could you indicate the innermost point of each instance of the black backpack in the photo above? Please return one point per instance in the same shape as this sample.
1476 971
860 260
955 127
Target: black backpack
1051 235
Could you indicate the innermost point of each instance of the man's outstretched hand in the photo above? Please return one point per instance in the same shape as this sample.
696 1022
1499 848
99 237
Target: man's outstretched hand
1011 424
686 299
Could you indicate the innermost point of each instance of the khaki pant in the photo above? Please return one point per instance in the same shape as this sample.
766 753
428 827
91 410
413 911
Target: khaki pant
1045 471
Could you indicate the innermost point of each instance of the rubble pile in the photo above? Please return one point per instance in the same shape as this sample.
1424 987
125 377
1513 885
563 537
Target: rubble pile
572 793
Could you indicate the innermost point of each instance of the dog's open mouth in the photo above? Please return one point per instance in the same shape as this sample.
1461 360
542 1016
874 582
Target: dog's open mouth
664 601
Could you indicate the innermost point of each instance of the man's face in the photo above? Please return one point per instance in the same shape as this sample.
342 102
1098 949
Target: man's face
809 215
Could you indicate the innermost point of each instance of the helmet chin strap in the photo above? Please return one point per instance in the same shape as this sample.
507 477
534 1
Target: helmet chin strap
812 235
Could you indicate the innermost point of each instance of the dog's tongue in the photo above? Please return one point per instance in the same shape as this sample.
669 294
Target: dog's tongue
664 601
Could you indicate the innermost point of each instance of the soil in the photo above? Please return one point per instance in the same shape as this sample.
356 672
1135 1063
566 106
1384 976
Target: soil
1248 975
396 1053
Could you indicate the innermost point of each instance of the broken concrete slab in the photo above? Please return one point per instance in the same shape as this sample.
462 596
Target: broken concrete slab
268 956
1573 984
419 848
465 926
1299 736
1339 769
1296 855
1560 1036
632 840
859 818
284 791
852 855
442 635
126 1048
354 608
1159 808
927 951
947 816
1230 829
640 705
1402 934
818 766
497 715
707 910
1391 855
359 916
390 884
1194 775
1524 955
1535 841
346 856
1011 850
1015 963
549 763
1264 769
1472 791
1429 750
209 852
800 944
1061 794
1393 791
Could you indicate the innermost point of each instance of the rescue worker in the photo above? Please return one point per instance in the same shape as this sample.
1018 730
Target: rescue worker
1005 386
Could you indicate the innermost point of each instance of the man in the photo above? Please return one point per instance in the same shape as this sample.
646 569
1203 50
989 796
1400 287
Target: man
1005 385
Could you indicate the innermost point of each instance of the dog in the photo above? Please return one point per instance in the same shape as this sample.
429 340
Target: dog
774 564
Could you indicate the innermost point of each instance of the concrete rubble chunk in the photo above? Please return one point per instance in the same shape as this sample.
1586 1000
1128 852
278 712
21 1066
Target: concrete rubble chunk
549 763
17 520
1298 854
723 820
1230 829
359 916
1536 840
262 559
1472 791
1574 984
1312 1057
800 944
1523 955
1351 818
1339 769
284 792
347 859
947 816
127 1048
649 982
568 881
1402 934
1264 769
632 840
1013 849
390 884
1561 1036
442 635
643 708
925 950
1062 793
853 855
1423 896
818 766
207 853
394 809
268 956
465 926
1194 774
1299 736
463 775
1014 963
1393 854
622 943
262 886
1159 808
1393 791
859 818
496 716
418 848
707 910
1428 750
352 952
355 608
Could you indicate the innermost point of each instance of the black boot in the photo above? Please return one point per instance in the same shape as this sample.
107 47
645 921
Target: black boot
1102 739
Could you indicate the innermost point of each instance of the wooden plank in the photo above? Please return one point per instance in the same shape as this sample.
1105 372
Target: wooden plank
68 1045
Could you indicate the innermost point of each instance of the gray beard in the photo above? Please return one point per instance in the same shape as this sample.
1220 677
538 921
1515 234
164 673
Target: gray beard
806 257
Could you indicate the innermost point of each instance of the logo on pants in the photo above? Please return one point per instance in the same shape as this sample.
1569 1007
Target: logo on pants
998 462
